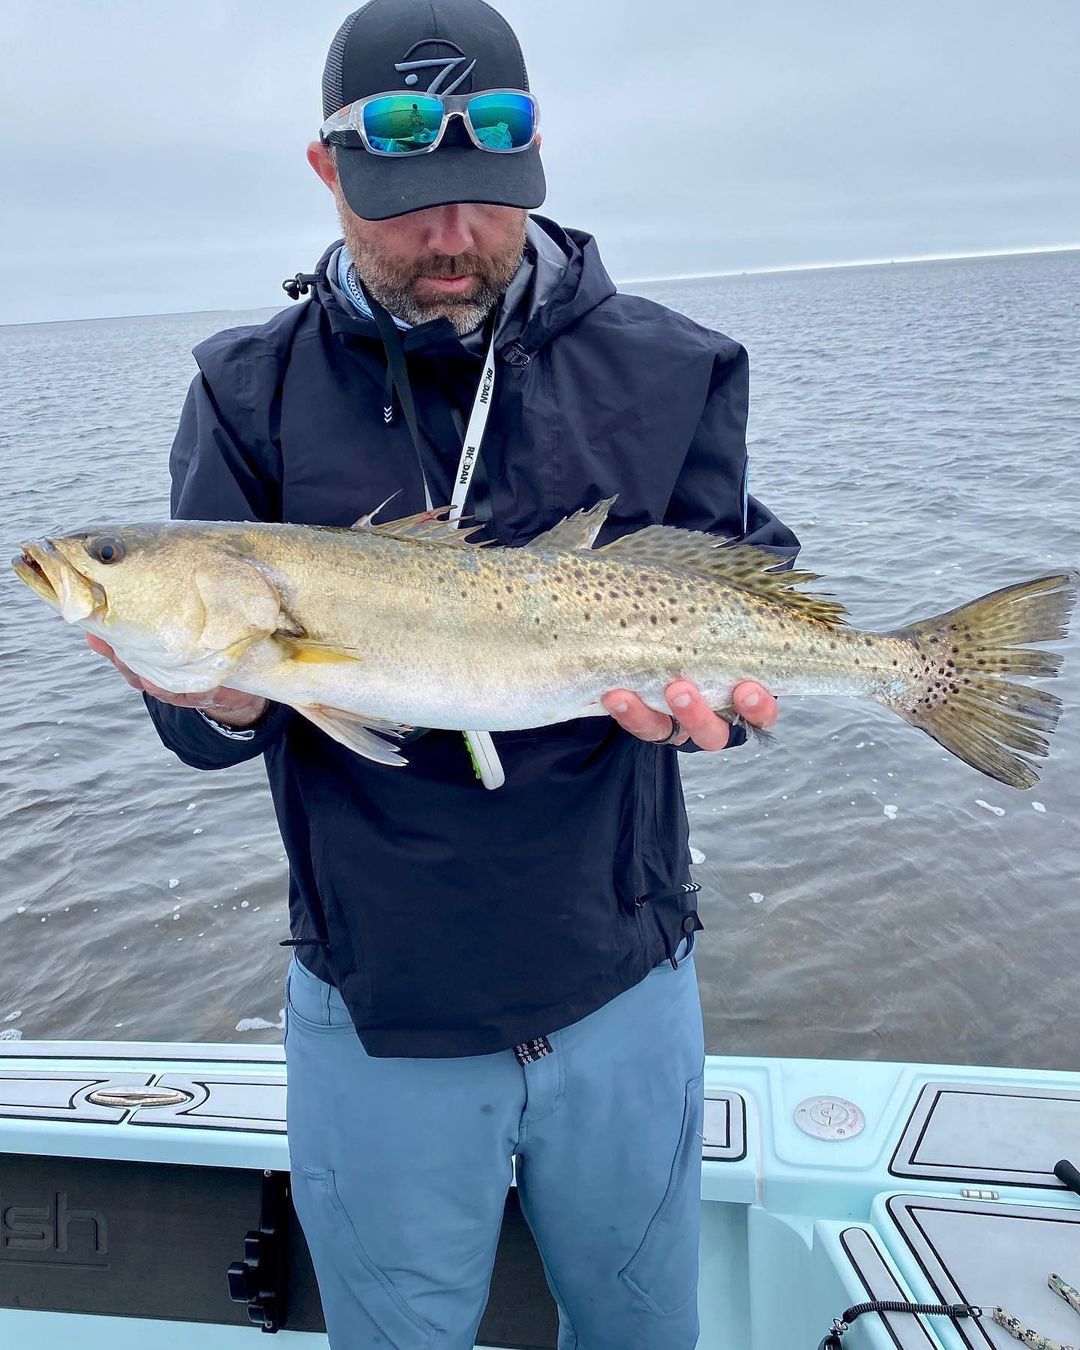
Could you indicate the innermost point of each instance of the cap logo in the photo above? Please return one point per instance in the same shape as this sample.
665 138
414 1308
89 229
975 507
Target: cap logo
445 66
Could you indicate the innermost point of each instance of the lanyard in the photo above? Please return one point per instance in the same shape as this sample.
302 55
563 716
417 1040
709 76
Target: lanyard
474 433
481 747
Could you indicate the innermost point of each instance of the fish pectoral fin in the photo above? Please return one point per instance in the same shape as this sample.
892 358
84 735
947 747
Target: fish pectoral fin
356 731
575 533
312 652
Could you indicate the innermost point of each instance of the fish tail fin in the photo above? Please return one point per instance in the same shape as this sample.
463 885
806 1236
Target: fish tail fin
963 697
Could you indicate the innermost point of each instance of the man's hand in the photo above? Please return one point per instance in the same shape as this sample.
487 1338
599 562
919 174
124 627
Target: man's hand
231 707
700 724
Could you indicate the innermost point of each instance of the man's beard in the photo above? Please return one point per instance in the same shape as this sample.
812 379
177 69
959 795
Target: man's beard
392 282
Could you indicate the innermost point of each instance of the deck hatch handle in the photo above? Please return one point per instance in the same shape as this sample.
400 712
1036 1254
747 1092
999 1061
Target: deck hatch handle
140 1097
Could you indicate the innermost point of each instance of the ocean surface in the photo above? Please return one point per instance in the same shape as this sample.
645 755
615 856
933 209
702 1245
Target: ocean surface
865 895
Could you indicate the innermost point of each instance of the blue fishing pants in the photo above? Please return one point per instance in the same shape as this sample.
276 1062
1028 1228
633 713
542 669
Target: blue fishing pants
400 1169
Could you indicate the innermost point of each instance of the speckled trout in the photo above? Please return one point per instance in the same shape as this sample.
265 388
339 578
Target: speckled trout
412 623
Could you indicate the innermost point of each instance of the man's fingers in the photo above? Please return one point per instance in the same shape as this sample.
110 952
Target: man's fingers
706 729
100 646
103 649
756 704
636 717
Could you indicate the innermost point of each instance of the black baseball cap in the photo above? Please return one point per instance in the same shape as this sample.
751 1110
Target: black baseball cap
441 46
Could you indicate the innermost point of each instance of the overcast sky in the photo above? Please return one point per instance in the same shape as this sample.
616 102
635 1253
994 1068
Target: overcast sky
152 154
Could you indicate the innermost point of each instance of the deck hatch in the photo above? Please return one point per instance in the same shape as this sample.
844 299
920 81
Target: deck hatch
724 1130
990 1253
985 1133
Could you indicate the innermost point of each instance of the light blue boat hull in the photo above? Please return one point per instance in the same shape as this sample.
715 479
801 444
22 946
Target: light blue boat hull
947 1190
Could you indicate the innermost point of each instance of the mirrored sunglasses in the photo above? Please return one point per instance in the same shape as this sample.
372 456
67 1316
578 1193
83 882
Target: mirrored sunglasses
502 121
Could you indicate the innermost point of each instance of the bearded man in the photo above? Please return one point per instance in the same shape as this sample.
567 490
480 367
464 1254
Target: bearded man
483 980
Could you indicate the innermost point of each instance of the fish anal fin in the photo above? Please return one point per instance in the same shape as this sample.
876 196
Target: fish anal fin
425 527
575 533
356 731
745 567
734 718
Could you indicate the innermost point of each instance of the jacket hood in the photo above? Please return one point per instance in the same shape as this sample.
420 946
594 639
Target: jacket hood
561 279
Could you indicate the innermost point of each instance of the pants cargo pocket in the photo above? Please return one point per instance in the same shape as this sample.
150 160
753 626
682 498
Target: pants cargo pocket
333 1239
663 1272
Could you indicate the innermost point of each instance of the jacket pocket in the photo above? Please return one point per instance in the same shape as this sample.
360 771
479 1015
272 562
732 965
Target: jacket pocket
333 1239
663 1272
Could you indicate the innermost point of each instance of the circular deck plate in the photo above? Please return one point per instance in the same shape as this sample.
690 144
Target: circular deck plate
829 1118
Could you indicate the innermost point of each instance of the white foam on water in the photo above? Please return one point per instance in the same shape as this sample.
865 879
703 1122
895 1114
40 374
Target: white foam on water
757 897
13 1016
261 1024
173 883
696 855
11 1034
996 810
1038 806
890 811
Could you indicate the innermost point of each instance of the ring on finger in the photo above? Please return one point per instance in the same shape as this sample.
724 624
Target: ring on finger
672 738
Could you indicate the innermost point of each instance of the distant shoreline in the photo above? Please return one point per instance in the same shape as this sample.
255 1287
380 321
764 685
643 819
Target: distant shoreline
639 281
854 262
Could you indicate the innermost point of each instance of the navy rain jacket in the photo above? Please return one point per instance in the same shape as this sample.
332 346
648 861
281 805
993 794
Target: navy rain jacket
453 919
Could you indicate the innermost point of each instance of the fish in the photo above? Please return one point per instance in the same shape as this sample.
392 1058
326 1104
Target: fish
376 629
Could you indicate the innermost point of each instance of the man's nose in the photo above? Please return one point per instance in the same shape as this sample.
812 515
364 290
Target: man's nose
452 229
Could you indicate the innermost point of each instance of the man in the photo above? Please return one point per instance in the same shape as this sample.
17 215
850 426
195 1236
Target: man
483 976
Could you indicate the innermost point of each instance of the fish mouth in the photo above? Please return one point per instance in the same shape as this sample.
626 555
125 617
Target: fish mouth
30 566
60 584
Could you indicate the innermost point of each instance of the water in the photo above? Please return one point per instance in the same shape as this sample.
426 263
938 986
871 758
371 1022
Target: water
865 894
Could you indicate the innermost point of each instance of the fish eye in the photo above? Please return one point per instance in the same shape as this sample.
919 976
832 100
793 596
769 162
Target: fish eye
107 549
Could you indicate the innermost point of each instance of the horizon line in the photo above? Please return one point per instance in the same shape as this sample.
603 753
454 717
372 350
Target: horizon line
856 262
641 281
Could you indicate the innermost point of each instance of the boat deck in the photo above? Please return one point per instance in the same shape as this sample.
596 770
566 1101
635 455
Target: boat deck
824 1183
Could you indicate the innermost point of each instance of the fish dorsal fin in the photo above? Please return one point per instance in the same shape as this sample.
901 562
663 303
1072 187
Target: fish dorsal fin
425 527
743 566
575 533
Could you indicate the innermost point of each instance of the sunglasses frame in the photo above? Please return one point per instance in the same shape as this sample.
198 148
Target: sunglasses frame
351 118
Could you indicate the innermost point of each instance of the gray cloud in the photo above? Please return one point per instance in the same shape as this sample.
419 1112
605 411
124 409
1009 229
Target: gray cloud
153 154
